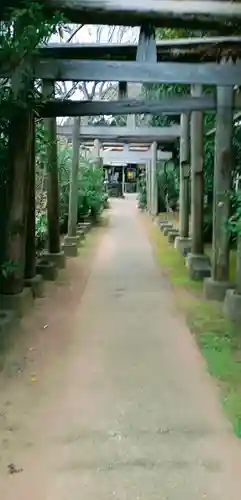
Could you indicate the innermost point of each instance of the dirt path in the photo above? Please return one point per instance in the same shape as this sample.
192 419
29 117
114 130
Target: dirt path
122 408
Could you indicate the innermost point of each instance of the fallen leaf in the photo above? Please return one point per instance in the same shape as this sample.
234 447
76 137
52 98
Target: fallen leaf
12 469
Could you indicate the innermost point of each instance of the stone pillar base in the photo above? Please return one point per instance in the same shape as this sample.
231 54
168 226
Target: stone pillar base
183 245
86 226
232 306
172 235
163 225
70 249
20 303
81 235
47 270
168 229
58 259
215 290
36 284
71 240
199 266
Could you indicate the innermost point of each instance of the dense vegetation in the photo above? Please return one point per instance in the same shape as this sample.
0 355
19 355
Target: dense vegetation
169 173
91 193
19 39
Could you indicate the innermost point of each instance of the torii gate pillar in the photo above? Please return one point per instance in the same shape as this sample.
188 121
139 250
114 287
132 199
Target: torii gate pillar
154 191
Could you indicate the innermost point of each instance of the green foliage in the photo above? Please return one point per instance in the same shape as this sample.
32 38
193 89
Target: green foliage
91 192
218 339
7 268
19 37
168 182
234 223
142 195
20 34
41 230
64 163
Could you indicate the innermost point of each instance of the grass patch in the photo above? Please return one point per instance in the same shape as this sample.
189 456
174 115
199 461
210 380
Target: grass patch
172 261
219 340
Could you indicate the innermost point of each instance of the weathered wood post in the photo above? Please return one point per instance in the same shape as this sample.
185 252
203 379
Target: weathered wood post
73 191
149 181
13 294
71 241
122 94
147 52
154 192
32 279
97 157
54 255
183 242
147 184
98 162
215 287
123 180
198 263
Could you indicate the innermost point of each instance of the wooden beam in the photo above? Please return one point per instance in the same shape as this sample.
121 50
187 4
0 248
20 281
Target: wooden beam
182 50
132 156
171 106
127 51
143 134
171 13
133 145
119 71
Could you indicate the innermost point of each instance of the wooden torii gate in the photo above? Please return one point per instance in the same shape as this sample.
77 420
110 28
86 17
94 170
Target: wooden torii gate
193 74
219 15
147 68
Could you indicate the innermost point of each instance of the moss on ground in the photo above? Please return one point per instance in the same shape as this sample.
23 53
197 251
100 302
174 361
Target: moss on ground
218 339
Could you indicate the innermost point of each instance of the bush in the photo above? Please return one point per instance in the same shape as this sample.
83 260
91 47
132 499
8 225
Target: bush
92 196
91 192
